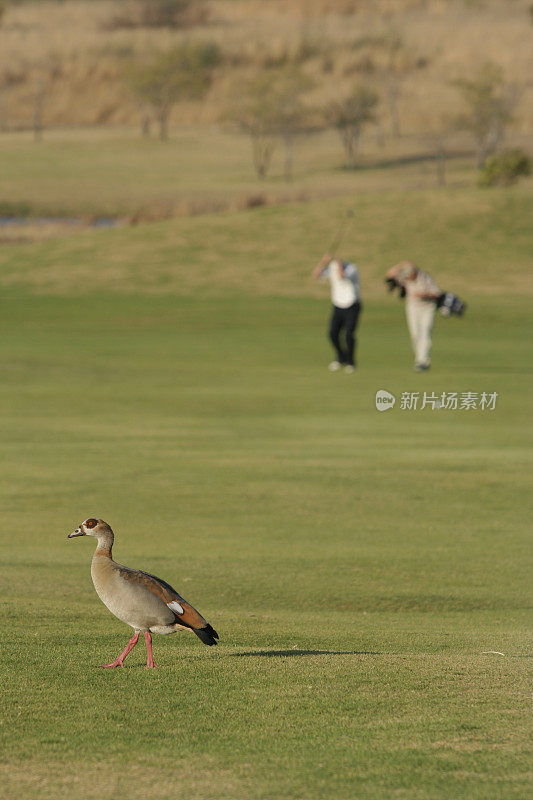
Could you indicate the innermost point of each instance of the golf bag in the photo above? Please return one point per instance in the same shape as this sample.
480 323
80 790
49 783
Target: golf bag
448 303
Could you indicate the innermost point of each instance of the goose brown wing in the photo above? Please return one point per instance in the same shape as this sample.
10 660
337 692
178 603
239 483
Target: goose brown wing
185 613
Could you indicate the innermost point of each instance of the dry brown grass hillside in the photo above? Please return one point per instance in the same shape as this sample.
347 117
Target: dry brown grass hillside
72 54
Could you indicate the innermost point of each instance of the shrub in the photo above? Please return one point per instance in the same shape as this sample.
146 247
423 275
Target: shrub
159 14
503 169
171 13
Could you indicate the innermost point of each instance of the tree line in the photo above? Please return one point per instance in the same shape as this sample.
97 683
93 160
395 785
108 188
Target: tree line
271 106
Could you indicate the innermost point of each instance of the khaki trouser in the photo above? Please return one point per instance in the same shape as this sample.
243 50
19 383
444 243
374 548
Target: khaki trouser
420 316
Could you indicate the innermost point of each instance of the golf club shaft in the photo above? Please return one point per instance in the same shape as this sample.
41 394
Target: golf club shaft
337 239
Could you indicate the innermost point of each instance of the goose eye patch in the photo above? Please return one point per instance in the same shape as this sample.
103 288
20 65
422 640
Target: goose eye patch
91 523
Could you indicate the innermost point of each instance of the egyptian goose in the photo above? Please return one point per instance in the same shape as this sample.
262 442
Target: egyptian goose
139 599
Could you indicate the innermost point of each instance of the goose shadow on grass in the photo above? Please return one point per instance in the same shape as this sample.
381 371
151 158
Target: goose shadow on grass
266 654
288 653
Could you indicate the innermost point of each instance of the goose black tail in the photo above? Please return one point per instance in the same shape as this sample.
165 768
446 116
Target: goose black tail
208 635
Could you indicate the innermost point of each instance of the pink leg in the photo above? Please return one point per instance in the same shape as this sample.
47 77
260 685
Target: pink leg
119 661
149 657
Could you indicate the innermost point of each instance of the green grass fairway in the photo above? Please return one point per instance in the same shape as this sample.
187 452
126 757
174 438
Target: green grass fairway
357 565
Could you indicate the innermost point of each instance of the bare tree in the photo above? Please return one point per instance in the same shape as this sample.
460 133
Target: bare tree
489 106
393 83
49 69
8 78
256 113
40 91
271 108
437 139
380 136
290 115
509 98
145 114
182 73
349 116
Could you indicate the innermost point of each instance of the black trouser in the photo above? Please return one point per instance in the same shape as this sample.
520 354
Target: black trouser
344 319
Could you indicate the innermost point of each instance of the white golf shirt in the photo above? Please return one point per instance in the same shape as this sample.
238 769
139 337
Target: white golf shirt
344 291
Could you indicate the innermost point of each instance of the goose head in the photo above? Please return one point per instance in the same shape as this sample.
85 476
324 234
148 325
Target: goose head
92 527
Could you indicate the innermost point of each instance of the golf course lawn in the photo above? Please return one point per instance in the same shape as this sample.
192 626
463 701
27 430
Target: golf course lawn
367 572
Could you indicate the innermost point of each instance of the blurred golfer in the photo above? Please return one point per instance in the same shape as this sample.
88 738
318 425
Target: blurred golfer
421 295
346 298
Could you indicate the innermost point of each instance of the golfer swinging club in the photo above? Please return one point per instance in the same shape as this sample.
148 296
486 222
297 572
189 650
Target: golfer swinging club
346 298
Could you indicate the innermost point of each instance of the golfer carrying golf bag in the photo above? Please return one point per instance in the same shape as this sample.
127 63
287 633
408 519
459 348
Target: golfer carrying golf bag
422 298
346 298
